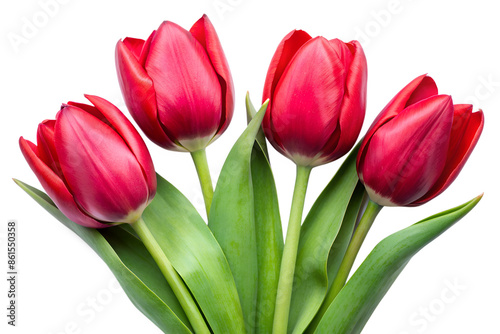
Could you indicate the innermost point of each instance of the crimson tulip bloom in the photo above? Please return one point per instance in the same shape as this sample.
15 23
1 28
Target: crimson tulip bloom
177 85
317 92
417 145
93 164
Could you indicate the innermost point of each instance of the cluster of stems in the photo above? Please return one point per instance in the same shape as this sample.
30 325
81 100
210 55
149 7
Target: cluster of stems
288 262
285 284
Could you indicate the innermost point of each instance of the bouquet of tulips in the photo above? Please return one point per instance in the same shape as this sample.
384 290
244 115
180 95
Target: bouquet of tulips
235 273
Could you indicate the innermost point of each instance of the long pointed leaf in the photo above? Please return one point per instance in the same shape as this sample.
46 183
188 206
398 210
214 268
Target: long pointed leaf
339 248
232 219
344 236
195 254
132 265
260 138
269 235
318 233
355 303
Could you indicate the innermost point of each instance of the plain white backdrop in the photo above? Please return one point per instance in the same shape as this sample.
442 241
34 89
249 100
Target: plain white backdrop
53 51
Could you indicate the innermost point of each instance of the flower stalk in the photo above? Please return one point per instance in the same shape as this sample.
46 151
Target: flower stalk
201 164
174 280
285 283
366 222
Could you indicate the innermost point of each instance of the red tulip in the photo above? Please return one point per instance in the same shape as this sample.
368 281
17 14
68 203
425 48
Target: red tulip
93 164
177 85
417 145
317 92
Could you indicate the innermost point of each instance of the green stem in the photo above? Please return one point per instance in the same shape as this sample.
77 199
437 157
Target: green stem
371 212
285 283
174 280
201 164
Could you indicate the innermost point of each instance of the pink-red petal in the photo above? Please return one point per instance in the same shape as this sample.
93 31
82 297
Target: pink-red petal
287 48
140 97
55 187
101 172
131 137
205 33
419 88
354 103
145 49
46 149
135 45
461 148
91 110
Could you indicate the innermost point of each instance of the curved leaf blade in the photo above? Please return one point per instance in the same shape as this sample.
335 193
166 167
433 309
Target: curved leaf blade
269 235
132 265
318 233
260 138
346 231
195 254
232 219
355 303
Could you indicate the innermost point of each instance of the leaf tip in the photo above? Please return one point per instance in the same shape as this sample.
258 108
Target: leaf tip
266 102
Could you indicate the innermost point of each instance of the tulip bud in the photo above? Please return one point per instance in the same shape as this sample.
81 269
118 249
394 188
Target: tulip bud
417 145
317 92
177 85
93 164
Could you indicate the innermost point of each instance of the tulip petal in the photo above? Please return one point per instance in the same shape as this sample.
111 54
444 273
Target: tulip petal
135 45
307 104
203 31
466 130
55 187
426 88
287 48
126 130
419 88
187 89
91 110
139 94
406 156
46 149
354 103
145 49
461 117
101 172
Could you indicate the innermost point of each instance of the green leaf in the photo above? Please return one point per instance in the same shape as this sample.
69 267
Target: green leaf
318 233
260 138
339 248
195 254
232 219
132 265
344 236
269 236
355 303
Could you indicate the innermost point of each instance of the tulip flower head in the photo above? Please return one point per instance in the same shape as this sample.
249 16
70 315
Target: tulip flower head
177 85
417 145
317 92
93 164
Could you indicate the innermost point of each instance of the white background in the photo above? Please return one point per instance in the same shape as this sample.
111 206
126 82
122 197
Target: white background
71 52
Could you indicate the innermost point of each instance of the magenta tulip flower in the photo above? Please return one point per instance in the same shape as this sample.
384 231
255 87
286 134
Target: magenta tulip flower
317 92
417 145
177 85
93 164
